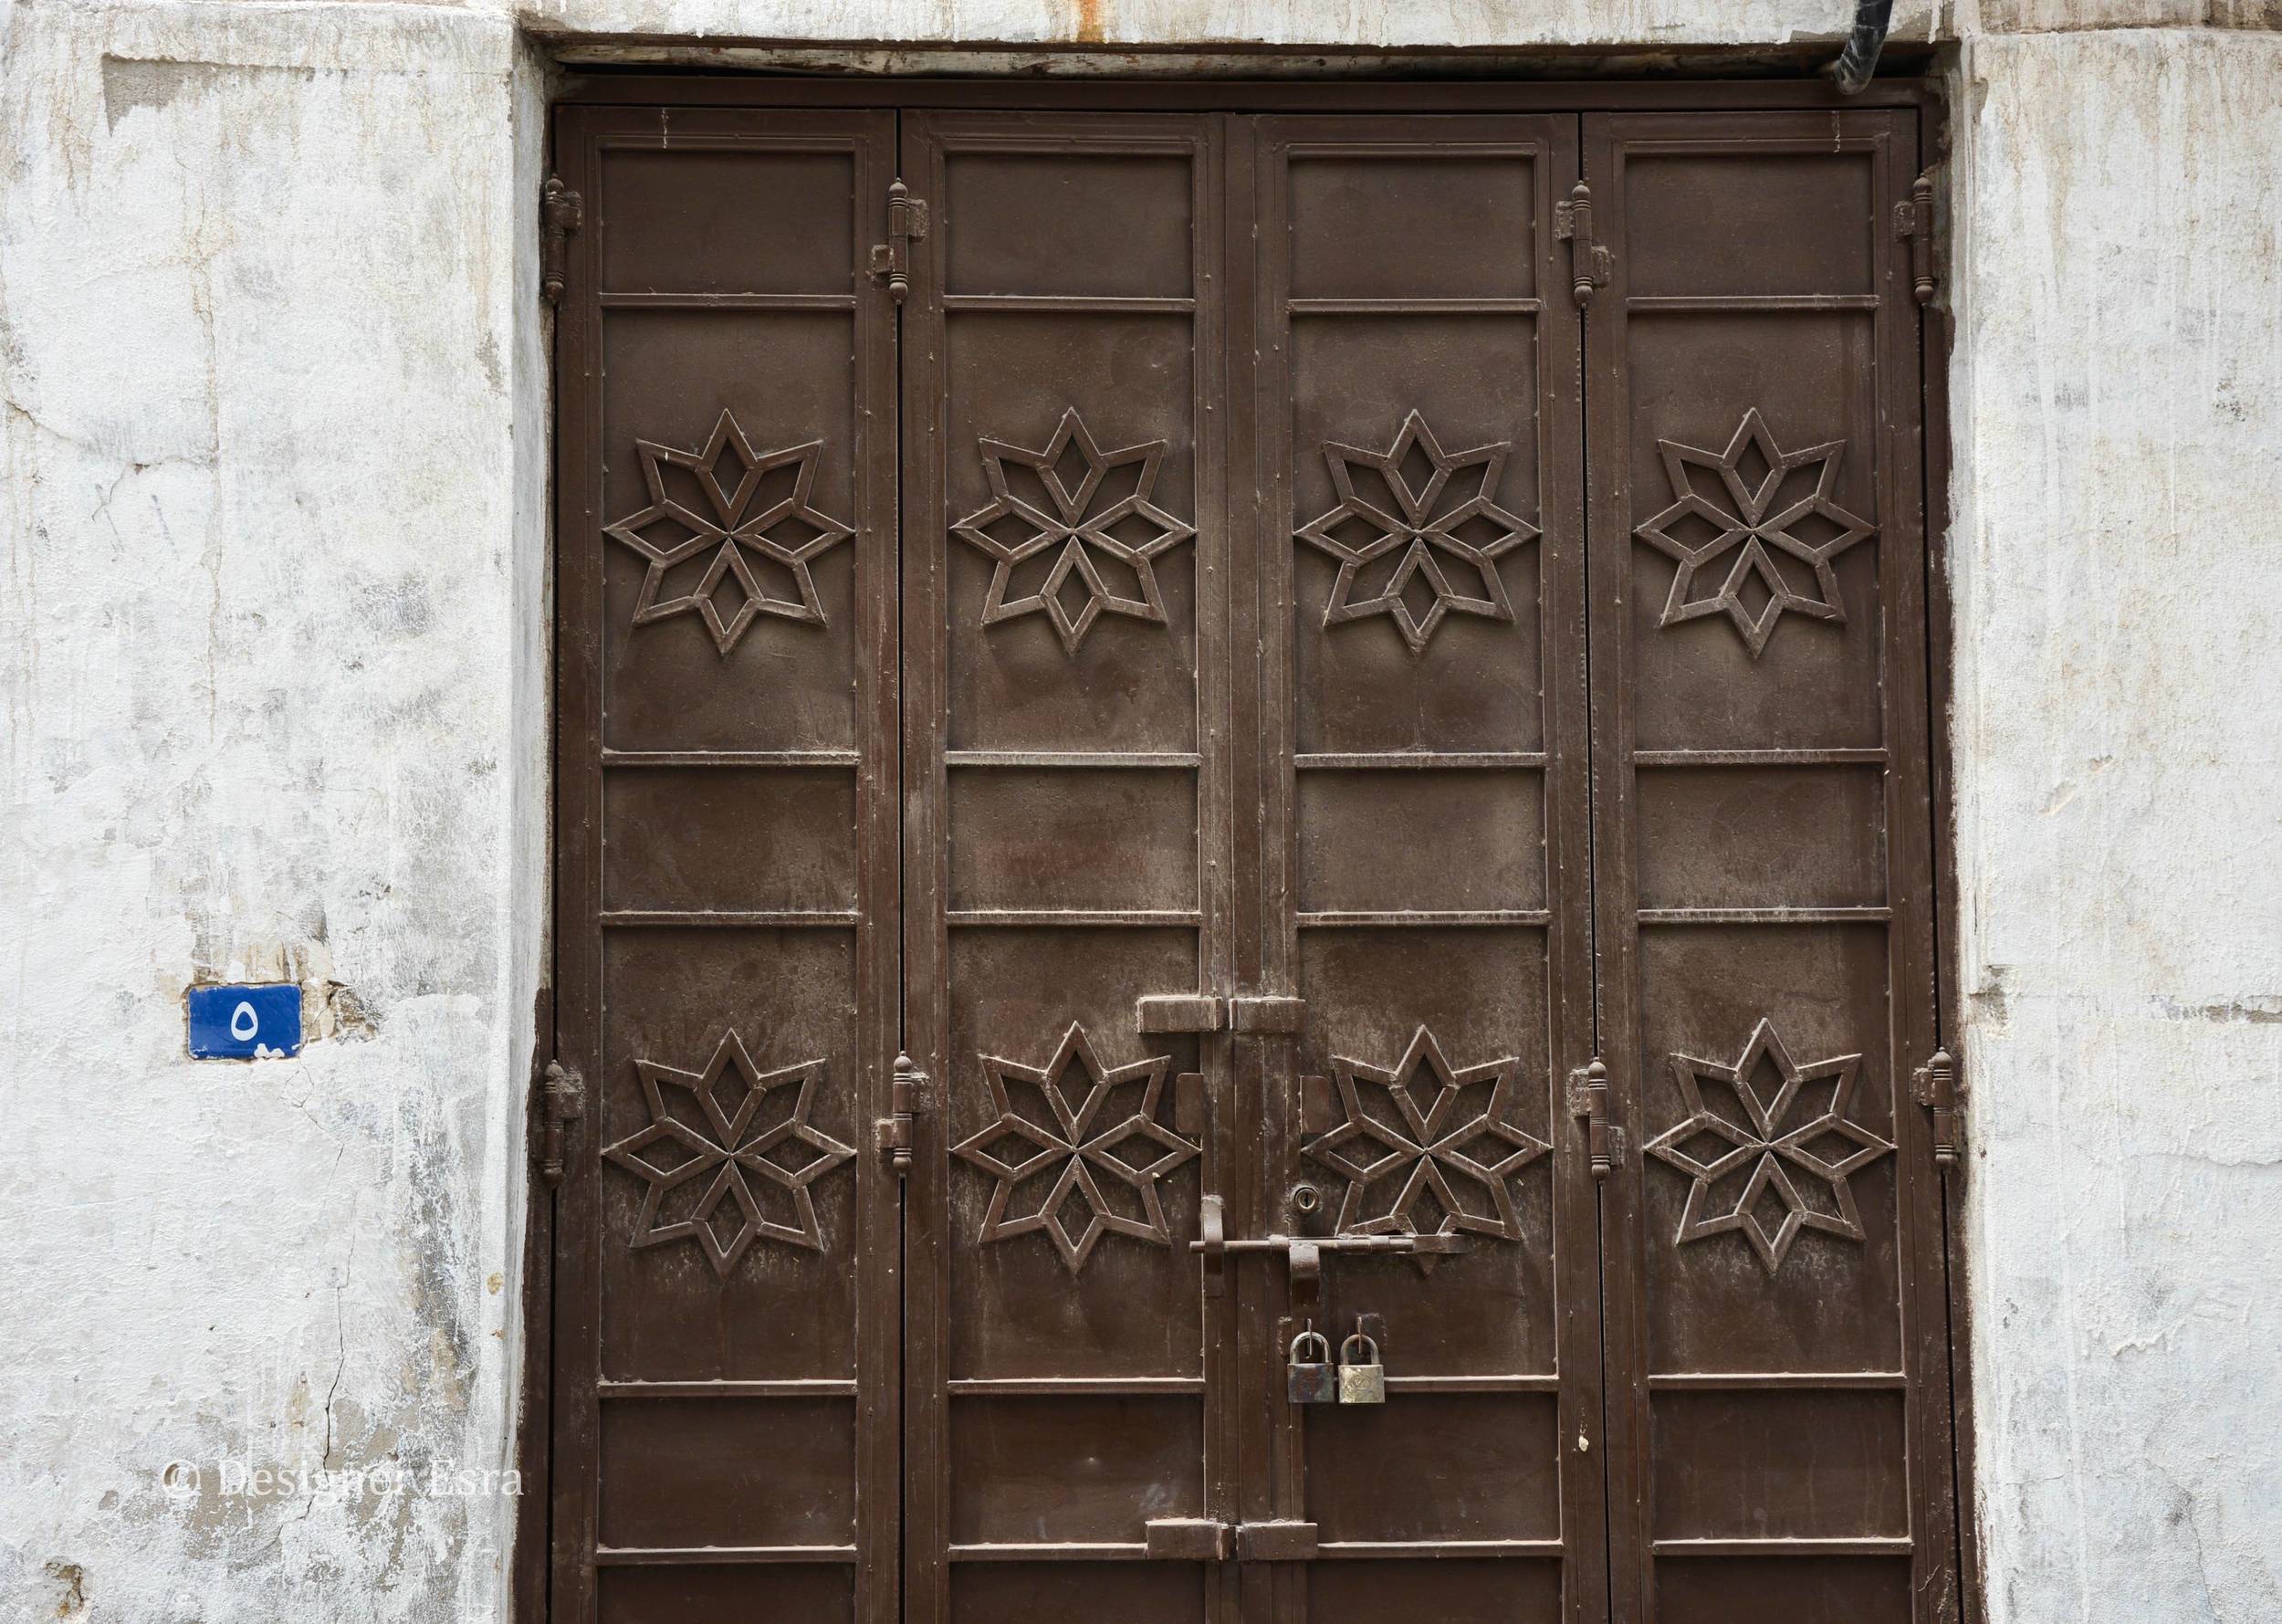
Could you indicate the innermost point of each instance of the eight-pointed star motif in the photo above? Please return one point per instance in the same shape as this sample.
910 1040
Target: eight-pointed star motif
1423 1146
713 1137
1083 1136
1711 1145
1085 516
1777 505
729 479
1406 519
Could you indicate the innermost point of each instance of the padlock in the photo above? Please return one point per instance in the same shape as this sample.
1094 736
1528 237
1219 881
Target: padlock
1310 1381
1361 1381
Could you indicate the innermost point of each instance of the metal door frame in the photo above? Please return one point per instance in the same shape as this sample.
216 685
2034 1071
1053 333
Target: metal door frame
572 671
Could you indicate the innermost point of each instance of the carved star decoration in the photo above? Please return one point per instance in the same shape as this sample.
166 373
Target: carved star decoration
1757 525
1090 511
1826 1146
1082 1137
1414 516
710 1141
727 474
1424 1149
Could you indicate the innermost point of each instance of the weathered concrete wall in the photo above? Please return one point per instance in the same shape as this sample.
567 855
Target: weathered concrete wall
272 473
2118 746
273 707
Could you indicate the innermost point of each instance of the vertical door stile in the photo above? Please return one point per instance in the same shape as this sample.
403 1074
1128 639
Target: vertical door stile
1583 1438
1231 721
1608 550
926 884
1933 338
1275 1480
1916 899
577 885
1779 1396
728 1305
879 803
1260 707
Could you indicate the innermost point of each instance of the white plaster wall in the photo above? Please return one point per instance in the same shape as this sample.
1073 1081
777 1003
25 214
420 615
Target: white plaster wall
272 473
272 707
2119 744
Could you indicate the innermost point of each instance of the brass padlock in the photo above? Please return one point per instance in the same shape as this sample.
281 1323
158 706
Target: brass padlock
1311 1381
1361 1381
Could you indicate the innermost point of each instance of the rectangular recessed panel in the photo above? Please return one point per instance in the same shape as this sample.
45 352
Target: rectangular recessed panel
1480 993
1518 1590
1436 1466
1715 669
1401 840
774 1308
1808 1296
1058 643
729 1472
1762 222
1762 837
788 679
1795 1589
1093 1469
727 221
1074 838
1059 1592
1420 644
767 1593
1031 1304
1788 1465
1114 224
1405 227
728 838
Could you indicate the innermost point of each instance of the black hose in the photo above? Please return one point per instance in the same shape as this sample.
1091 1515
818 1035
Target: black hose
1854 65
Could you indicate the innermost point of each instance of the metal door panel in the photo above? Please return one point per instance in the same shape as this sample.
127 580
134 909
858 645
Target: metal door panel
1779 1403
726 1242
1065 649
1422 868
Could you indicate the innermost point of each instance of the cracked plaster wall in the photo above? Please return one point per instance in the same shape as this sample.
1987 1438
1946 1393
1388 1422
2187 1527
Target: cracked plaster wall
271 479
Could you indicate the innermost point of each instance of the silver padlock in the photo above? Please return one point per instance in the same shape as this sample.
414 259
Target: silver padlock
1310 1381
1361 1380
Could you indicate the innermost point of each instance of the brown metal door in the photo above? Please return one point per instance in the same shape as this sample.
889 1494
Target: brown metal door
1065 647
1778 1382
726 1336
1420 872
1235 802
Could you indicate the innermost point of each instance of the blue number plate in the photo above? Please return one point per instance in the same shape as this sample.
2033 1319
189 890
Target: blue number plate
242 1022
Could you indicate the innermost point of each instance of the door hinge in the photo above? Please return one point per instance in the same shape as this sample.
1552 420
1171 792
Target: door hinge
1934 1087
562 1101
561 214
1588 1099
1913 221
903 1090
1590 264
906 224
